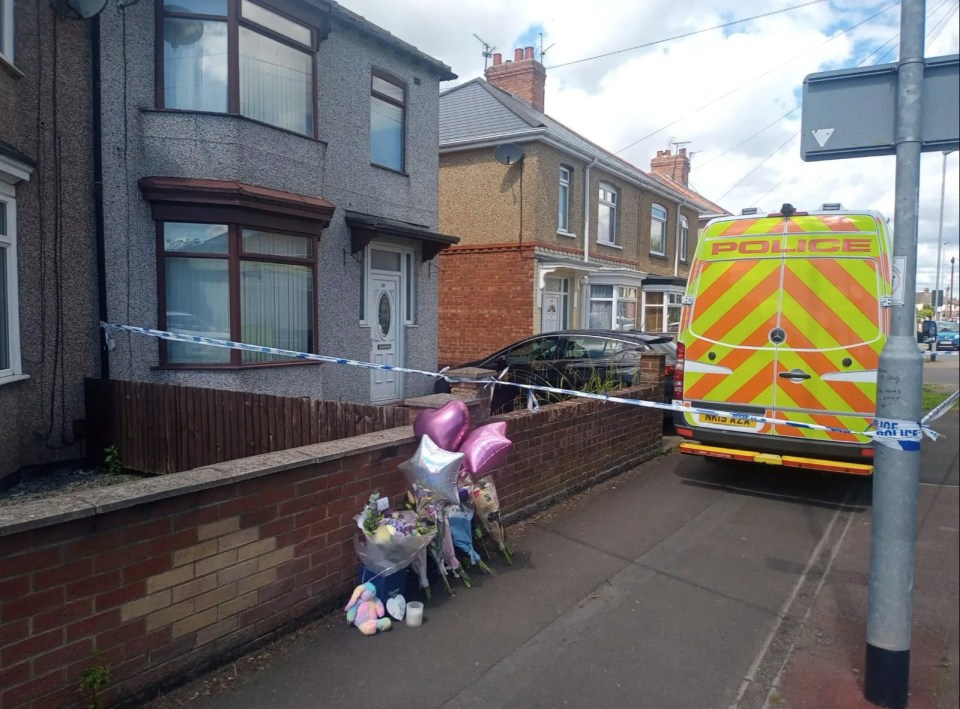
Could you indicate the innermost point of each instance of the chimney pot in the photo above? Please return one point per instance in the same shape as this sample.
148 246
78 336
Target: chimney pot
528 53
518 54
497 59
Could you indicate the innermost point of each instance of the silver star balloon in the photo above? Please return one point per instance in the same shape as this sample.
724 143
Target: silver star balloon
434 469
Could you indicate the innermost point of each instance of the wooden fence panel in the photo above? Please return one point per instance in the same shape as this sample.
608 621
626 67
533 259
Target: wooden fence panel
164 428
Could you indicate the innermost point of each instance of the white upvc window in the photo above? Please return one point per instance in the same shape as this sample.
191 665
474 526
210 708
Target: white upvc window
658 230
684 238
10 369
563 202
6 30
607 215
661 310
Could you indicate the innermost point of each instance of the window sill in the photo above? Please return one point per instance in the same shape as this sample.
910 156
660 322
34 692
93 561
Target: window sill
561 232
654 254
233 367
10 68
13 378
610 245
390 169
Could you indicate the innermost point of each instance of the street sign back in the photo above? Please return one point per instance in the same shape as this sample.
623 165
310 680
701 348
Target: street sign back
852 113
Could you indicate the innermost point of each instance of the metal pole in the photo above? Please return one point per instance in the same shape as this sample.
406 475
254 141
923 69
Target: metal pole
937 294
899 381
950 297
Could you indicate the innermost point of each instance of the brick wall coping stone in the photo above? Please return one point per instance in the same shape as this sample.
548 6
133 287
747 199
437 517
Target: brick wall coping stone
57 510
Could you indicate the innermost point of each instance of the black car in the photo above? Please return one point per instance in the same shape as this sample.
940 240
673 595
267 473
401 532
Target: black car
581 360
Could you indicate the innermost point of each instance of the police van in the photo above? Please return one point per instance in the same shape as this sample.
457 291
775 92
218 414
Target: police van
784 317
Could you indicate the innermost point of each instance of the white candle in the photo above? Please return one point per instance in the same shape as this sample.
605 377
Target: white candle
414 614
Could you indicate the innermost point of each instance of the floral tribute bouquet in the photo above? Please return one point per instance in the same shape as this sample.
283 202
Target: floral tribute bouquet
391 540
441 474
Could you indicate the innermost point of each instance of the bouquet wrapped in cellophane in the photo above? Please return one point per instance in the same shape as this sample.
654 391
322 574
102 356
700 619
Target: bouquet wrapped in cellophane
389 541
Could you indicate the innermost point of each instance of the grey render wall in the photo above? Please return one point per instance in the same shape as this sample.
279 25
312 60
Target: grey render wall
45 115
140 141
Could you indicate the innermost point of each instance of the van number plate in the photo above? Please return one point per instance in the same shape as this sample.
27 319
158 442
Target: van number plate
726 421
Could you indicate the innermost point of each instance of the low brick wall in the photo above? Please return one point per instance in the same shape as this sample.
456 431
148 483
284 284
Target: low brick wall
170 576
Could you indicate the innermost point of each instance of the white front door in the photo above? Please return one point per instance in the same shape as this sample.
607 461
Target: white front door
550 320
386 321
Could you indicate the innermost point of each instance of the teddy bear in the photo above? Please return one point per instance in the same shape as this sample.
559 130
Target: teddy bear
366 611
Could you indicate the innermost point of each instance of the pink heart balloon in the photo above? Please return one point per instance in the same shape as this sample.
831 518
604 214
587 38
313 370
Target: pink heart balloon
485 448
446 426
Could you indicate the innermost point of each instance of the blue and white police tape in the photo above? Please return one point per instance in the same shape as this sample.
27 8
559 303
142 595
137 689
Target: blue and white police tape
899 434
939 353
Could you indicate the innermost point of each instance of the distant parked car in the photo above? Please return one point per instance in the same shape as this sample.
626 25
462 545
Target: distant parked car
948 336
580 360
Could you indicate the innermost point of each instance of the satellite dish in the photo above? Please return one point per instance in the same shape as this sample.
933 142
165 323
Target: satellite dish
78 9
508 153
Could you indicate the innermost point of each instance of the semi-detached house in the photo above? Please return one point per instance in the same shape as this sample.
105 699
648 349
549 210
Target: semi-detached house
270 176
556 232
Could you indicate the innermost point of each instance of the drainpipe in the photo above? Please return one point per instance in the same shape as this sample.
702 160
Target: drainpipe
584 292
98 196
586 209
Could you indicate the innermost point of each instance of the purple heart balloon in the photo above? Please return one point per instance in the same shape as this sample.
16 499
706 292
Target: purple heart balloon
485 448
446 426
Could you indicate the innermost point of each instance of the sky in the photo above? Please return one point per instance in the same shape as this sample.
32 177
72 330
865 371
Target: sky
727 94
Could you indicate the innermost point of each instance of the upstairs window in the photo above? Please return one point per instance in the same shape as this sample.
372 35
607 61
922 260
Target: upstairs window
6 30
239 57
387 116
684 238
563 210
607 215
9 312
658 230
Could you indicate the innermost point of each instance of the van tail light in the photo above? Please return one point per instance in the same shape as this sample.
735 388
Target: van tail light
678 372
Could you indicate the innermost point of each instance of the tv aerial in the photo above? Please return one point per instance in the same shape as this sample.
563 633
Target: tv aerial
78 9
487 50
508 153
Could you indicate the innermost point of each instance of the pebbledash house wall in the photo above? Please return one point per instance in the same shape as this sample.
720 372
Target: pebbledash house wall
170 576
46 126
140 141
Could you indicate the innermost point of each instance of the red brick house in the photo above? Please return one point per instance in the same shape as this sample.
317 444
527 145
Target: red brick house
556 232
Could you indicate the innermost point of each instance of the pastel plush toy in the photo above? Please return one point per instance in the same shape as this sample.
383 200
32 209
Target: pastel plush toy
366 611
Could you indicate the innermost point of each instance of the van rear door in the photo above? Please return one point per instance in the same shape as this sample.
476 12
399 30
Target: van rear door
832 326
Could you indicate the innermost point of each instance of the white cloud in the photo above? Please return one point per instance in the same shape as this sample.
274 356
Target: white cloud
617 100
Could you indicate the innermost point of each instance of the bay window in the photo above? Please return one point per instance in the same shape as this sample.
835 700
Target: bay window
613 307
661 311
232 282
239 57
235 262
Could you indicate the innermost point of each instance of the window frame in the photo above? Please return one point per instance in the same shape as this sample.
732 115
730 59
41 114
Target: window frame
8 242
234 257
402 105
684 244
8 40
564 187
655 220
611 203
234 20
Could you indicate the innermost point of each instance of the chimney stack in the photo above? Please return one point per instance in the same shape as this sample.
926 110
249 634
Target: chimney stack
524 77
673 167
